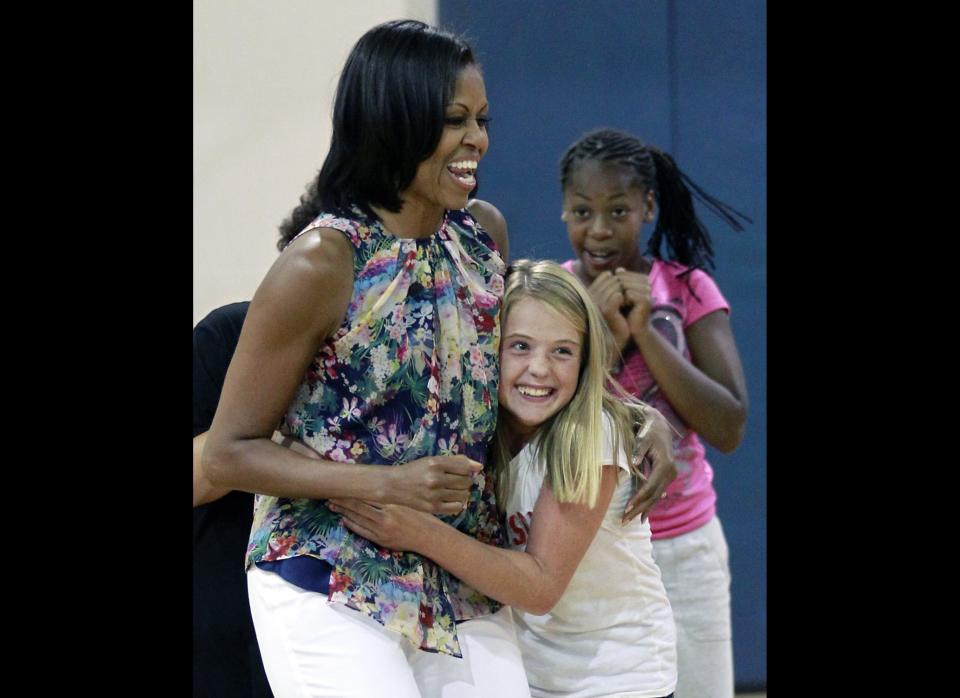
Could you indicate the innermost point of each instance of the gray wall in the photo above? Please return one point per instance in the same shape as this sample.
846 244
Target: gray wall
687 76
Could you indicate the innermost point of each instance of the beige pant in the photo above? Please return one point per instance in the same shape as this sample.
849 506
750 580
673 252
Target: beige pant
696 575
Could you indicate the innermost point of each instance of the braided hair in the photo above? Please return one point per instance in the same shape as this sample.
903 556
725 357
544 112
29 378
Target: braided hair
687 239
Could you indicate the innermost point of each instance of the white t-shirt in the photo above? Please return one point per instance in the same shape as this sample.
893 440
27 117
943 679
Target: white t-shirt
612 632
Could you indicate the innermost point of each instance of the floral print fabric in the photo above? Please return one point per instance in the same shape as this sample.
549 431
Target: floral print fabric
412 372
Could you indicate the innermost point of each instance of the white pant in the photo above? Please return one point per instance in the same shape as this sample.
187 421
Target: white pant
696 575
311 647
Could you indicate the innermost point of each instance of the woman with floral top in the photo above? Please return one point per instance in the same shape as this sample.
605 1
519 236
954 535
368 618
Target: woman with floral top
373 339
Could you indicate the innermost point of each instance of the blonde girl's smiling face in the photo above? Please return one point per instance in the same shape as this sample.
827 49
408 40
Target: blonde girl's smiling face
540 357
605 207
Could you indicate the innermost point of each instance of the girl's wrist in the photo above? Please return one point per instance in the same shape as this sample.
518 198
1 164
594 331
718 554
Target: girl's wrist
642 332
424 533
620 330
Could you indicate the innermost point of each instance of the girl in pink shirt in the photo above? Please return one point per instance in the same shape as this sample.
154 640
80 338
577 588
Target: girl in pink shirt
677 353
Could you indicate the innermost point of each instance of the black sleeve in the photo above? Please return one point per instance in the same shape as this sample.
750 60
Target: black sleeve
214 341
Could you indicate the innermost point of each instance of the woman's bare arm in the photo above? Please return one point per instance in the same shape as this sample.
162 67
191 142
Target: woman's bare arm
301 302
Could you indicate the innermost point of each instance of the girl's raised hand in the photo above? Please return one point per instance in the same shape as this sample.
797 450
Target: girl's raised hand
636 294
607 292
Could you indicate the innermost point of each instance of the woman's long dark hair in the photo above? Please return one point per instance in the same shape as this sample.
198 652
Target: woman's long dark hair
388 117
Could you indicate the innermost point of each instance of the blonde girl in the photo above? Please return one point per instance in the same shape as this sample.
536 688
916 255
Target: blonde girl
591 612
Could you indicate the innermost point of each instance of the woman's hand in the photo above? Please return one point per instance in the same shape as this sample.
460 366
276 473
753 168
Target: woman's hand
393 526
436 484
654 448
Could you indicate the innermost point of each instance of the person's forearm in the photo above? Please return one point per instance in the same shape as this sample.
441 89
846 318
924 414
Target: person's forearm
532 580
512 577
203 490
706 406
260 465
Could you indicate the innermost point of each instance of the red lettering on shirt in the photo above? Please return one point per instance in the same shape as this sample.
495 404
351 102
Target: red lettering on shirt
519 523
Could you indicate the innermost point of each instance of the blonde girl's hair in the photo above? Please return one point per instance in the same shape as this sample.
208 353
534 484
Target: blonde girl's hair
570 442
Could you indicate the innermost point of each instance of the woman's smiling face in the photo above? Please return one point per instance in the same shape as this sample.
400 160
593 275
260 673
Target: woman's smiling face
445 179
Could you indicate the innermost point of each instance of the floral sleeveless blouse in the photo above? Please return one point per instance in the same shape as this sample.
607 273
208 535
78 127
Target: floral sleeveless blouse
412 372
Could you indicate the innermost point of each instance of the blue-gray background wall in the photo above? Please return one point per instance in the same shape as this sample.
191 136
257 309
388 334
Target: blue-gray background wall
687 76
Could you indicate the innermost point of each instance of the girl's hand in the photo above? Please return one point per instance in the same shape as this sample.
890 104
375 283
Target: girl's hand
636 293
654 446
607 292
393 526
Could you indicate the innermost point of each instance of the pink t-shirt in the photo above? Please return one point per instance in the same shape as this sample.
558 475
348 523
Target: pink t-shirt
691 500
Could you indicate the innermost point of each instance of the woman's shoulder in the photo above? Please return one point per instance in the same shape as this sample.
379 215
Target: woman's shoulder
316 265
357 227
316 257
491 221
